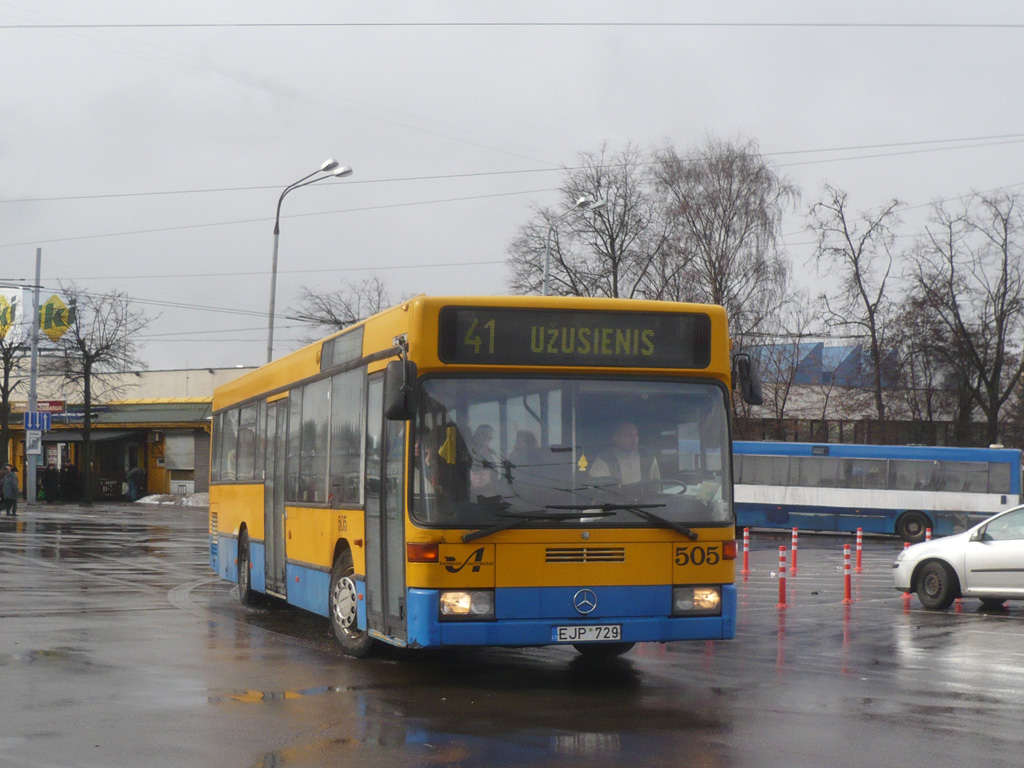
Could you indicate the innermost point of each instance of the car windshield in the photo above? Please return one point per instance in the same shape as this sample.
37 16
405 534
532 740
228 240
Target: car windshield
571 452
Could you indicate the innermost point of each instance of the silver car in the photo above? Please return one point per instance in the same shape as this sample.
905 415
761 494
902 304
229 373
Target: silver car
986 561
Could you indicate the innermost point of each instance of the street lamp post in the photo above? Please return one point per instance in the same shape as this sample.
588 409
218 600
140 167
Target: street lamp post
583 204
333 169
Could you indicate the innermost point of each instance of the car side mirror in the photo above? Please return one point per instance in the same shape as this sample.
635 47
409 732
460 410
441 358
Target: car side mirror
979 535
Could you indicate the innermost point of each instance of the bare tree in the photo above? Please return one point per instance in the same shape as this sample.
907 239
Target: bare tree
968 276
857 251
13 347
607 252
101 340
341 308
725 205
934 387
780 361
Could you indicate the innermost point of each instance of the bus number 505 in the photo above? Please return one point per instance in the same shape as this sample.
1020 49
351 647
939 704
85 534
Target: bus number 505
697 555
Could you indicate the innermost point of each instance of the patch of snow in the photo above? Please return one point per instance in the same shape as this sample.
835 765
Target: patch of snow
177 500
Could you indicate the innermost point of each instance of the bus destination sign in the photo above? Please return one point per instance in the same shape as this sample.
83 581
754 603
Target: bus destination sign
564 337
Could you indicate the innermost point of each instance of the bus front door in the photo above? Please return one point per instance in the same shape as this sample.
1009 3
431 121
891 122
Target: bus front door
273 497
385 518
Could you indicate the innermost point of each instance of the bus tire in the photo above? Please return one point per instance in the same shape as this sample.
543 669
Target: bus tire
342 608
937 586
602 650
912 525
245 594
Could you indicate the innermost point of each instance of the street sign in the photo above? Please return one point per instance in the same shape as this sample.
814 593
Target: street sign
34 443
34 420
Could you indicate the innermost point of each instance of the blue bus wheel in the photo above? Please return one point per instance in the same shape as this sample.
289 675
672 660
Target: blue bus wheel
912 525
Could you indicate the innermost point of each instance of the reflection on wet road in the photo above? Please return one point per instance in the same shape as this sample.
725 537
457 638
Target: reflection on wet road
120 647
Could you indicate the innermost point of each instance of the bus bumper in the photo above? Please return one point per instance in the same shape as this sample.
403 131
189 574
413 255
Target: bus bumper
426 630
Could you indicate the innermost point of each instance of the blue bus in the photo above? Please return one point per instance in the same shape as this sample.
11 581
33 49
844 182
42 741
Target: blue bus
902 490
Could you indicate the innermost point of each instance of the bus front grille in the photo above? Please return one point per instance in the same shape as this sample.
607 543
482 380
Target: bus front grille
585 555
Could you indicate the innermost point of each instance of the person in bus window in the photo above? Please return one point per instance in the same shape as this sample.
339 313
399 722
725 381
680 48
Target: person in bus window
486 462
626 461
526 451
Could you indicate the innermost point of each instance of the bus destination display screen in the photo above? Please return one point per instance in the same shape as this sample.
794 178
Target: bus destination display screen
564 337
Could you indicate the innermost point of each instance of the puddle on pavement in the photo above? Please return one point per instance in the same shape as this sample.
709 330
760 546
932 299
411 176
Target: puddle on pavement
65 659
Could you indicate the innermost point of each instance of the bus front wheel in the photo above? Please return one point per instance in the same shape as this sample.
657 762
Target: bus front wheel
912 525
342 609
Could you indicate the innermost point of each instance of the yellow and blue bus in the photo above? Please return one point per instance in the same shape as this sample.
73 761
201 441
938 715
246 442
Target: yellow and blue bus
513 471
898 489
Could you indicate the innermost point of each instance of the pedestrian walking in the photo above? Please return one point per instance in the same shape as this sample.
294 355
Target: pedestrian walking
136 483
51 483
11 490
68 482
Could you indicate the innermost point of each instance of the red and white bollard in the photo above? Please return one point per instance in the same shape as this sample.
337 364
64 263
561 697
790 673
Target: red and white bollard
782 578
792 568
860 549
847 579
927 534
746 551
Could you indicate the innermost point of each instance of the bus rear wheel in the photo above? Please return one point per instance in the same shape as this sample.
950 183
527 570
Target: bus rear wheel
602 650
342 609
245 594
912 525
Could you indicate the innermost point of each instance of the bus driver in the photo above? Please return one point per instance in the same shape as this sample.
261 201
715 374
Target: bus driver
626 462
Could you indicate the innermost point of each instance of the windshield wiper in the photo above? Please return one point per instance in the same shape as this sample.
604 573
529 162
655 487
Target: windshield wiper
640 510
521 519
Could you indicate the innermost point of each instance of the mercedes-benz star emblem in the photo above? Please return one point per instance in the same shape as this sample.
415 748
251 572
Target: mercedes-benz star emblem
584 601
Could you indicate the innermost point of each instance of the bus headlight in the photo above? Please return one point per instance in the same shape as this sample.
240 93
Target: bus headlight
477 604
690 601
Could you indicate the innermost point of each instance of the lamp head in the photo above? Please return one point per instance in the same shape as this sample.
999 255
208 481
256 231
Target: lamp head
342 171
329 165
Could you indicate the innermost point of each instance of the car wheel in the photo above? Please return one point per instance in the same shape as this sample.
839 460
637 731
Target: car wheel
342 609
993 603
937 586
602 650
912 525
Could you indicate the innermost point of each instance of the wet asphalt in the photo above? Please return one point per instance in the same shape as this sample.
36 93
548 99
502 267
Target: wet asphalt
119 647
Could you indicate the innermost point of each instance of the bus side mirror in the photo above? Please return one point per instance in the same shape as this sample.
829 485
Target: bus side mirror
748 378
400 390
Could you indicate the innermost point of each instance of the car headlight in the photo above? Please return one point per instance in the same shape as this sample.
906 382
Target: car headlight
690 601
472 605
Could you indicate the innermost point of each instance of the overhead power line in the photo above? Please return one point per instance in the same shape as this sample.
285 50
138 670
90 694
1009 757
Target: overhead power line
266 219
517 24
959 143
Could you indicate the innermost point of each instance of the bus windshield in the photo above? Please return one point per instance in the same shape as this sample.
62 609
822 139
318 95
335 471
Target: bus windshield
565 452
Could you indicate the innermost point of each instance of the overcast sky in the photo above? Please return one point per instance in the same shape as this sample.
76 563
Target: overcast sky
143 146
